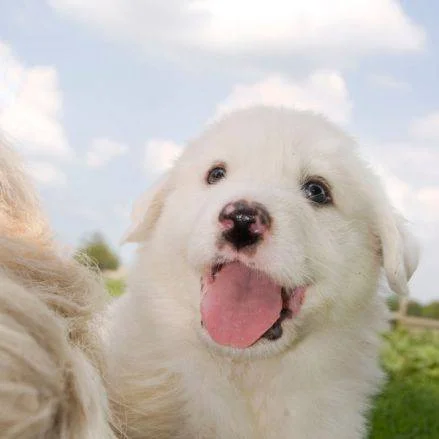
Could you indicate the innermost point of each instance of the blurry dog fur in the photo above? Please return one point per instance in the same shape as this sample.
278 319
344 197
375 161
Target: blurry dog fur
50 352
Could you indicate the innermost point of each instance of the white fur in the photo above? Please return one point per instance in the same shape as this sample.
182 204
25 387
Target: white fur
50 355
168 379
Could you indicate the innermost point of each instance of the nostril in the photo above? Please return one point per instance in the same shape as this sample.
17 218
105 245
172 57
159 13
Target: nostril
227 224
258 227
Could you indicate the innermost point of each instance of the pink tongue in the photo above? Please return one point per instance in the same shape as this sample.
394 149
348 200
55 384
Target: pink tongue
239 305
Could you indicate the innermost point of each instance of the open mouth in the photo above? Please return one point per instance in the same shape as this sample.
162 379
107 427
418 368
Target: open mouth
241 305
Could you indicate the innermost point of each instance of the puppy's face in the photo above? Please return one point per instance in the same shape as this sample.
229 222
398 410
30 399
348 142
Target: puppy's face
269 226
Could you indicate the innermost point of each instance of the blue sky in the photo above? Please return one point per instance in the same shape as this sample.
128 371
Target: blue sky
110 91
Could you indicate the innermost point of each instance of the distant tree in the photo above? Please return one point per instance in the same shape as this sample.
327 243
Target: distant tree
96 251
431 310
414 308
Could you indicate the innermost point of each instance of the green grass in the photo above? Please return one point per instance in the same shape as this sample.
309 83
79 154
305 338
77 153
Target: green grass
408 406
407 409
115 286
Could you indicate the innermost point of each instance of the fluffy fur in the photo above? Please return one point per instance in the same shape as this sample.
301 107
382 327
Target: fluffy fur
50 356
169 379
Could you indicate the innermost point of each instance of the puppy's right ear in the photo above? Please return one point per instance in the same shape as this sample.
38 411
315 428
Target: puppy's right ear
146 211
400 251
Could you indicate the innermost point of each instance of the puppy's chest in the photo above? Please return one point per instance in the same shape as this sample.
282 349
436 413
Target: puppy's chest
256 404
271 398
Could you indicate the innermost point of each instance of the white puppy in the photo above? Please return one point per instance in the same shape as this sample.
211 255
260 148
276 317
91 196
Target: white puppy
253 311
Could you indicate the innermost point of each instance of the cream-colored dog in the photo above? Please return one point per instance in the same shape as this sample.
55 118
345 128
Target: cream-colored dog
252 310
50 354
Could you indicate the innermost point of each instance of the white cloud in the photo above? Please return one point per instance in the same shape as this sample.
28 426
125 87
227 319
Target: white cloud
429 197
419 205
376 24
30 107
401 194
409 161
323 91
160 155
421 208
102 151
410 177
122 211
427 127
46 174
89 214
387 81
278 28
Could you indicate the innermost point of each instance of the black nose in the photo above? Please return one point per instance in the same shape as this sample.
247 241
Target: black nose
243 224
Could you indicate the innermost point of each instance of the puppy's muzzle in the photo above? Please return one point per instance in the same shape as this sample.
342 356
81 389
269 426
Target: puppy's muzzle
244 223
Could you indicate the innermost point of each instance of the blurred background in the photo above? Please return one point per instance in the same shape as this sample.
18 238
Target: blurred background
101 96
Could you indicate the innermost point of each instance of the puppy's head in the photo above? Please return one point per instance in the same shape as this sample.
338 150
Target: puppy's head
268 226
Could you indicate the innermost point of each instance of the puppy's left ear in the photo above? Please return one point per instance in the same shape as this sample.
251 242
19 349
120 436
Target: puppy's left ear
146 211
400 251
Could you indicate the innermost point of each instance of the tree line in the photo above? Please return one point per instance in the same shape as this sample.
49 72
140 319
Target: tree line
416 309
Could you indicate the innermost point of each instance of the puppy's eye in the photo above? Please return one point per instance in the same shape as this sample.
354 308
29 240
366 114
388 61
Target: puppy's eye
216 174
317 192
